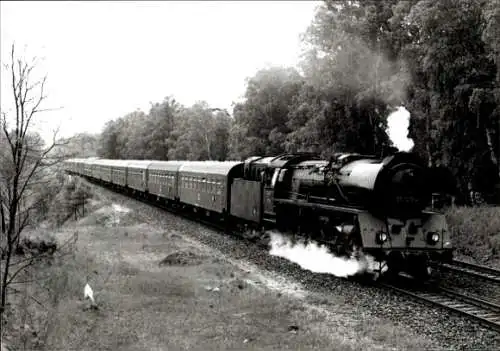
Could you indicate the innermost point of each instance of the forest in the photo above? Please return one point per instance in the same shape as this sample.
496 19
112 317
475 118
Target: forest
361 60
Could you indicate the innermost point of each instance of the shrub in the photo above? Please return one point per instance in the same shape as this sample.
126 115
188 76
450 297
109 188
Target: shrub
70 201
476 232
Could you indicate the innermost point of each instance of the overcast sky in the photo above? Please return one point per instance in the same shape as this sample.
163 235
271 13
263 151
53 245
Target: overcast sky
105 59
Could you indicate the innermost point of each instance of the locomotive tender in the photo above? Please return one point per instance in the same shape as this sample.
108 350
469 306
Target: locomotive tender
352 203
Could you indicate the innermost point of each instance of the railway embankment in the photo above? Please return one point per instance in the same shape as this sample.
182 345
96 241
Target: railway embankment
162 282
476 234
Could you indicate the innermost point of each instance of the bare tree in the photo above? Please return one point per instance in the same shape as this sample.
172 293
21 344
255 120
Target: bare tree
25 164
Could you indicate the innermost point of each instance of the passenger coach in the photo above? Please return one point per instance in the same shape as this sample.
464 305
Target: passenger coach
207 184
163 179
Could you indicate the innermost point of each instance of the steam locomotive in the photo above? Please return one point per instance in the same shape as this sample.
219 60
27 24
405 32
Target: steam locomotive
354 204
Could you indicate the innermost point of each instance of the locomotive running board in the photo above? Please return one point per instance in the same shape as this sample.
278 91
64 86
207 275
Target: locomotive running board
323 207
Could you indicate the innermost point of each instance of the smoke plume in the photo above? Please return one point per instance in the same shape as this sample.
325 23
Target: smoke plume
397 129
317 258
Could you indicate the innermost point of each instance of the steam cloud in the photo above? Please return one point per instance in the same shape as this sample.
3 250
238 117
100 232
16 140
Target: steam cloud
397 129
317 258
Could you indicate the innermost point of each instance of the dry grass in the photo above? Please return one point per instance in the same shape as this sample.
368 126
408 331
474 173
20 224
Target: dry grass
194 300
476 233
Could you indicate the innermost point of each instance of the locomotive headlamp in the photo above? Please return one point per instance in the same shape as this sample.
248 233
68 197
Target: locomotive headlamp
432 237
381 237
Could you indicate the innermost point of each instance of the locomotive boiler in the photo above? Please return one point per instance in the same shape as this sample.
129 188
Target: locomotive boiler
358 204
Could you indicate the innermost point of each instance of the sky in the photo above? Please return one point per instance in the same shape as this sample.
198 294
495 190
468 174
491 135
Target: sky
106 59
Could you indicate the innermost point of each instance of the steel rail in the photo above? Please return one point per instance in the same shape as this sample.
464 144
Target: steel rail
475 270
482 311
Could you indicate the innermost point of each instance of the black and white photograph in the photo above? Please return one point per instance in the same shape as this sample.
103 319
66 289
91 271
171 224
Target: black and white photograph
250 175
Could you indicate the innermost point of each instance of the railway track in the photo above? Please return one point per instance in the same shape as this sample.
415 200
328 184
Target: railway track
478 271
484 312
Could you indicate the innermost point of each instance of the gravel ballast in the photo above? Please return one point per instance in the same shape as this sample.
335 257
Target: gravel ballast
447 330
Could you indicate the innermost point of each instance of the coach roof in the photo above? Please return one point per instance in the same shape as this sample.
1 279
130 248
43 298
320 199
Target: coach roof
141 164
210 167
166 165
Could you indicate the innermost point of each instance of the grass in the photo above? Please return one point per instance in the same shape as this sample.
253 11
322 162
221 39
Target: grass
476 233
145 305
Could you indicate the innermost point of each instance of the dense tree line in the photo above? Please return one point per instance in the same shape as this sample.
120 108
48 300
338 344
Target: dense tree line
168 131
440 59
